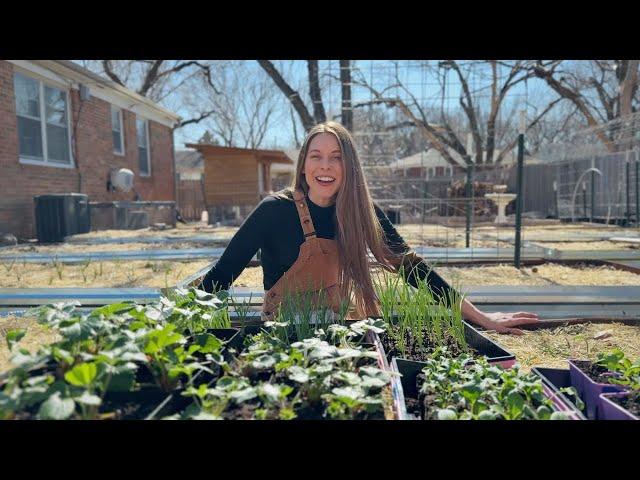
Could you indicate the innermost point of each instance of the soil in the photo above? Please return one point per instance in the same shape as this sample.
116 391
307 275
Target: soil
414 351
597 373
630 402
118 274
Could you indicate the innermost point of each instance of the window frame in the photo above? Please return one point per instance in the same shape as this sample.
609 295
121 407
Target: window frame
122 152
148 146
44 161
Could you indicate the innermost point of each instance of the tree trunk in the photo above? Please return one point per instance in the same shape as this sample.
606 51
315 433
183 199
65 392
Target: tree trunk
628 86
345 80
293 96
315 92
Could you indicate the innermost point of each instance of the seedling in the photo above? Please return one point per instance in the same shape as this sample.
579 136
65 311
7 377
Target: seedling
463 388
59 266
9 266
418 320
83 269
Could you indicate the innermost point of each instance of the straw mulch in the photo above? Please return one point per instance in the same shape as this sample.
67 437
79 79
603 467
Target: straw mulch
545 274
552 347
37 335
141 273
603 245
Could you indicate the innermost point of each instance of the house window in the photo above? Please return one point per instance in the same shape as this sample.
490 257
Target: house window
144 162
439 171
117 131
43 122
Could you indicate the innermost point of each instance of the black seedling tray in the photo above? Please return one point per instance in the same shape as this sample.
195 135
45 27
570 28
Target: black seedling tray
482 344
555 379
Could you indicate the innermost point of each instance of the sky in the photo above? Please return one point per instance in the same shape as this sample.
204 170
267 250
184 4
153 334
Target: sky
416 75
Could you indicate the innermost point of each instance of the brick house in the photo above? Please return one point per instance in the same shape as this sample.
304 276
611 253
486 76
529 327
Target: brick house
55 140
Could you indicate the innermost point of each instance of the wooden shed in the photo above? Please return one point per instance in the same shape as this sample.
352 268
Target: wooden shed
236 179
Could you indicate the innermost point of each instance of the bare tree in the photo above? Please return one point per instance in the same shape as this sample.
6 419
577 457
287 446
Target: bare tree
243 110
601 90
161 80
443 134
315 93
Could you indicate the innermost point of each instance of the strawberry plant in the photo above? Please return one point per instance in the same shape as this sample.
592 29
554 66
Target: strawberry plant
464 388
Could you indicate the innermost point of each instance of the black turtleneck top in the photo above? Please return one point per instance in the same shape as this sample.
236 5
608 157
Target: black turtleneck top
273 227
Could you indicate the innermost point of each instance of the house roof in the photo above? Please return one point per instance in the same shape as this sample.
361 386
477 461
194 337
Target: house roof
274 156
100 87
189 159
433 158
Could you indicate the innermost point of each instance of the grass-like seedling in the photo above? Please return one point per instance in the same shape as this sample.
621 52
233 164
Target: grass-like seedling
9 266
83 269
417 319
58 265
301 314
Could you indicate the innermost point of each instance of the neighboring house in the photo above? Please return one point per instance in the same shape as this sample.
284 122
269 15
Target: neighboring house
236 179
64 129
189 165
190 184
431 164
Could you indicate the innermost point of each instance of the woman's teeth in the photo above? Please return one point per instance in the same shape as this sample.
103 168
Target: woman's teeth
325 179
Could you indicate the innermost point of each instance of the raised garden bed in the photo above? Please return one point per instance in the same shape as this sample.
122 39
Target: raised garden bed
620 406
143 273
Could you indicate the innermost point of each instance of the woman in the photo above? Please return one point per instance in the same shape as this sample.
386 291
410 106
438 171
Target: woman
314 238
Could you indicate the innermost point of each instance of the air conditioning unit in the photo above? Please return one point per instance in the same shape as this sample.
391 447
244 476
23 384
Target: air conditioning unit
122 179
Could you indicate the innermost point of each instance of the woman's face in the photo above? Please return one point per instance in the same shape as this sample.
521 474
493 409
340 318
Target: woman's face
323 168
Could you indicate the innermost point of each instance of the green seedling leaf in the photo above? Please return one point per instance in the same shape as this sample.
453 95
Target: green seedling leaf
89 399
14 336
56 408
82 375
208 343
446 414
298 374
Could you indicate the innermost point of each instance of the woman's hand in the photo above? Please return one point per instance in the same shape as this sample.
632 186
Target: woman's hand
504 322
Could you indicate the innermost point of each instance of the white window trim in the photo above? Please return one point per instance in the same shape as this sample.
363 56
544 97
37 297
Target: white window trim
121 116
43 125
146 133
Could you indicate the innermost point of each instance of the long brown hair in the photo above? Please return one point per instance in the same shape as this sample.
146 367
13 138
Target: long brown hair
357 226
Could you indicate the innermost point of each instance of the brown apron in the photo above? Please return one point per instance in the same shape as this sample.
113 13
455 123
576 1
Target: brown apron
315 272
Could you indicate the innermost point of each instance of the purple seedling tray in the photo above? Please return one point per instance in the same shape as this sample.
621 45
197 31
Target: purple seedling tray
610 410
590 391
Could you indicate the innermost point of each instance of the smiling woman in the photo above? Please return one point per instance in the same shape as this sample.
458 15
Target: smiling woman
316 237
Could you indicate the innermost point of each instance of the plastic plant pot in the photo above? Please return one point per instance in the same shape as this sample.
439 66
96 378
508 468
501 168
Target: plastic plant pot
611 410
146 403
554 379
589 390
482 344
396 388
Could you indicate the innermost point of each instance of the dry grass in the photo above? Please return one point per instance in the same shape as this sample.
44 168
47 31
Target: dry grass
552 348
23 249
545 274
37 335
159 274
603 245
250 277
195 229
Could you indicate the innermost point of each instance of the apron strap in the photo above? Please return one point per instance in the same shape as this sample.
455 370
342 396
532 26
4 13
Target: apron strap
305 216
